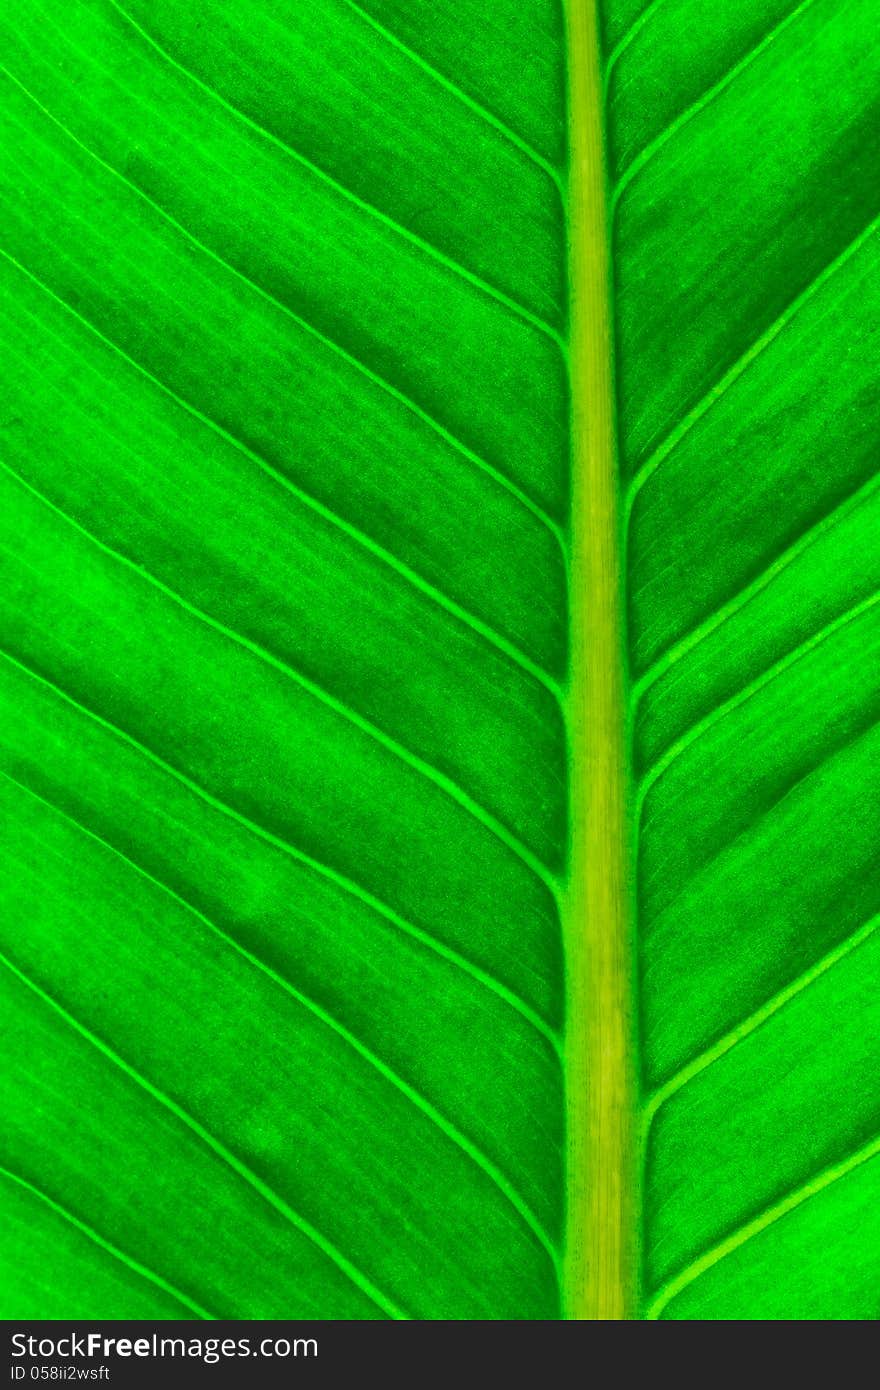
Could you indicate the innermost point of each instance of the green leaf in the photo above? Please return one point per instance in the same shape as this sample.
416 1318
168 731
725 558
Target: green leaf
439 787
746 217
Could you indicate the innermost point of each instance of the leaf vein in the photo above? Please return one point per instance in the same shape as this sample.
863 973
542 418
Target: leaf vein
629 37
791 658
434 252
220 1150
705 404
685 117
108 1248
681 648
362 368
768 1217
756 1020
399 751
313 504
387 1072
482 111
299 856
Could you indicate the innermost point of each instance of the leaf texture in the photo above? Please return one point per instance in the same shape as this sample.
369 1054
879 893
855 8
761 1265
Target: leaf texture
284 479
285 663
743 150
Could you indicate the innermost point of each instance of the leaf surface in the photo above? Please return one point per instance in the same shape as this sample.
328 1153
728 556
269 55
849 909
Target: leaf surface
743 152
286 666
284 472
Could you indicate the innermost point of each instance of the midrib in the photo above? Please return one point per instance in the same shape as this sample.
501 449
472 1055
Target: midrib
601 1280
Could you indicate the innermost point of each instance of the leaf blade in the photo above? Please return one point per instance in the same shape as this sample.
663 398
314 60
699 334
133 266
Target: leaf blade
748 476
255 353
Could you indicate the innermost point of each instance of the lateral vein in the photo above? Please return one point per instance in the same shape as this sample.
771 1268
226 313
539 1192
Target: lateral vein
369 209
299 856
313 504
756 1020
387 1072
219 1149
107 1246
482 111
797 654
826 1178
397 750
362 368
711 398
685 117
681 648
629 37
